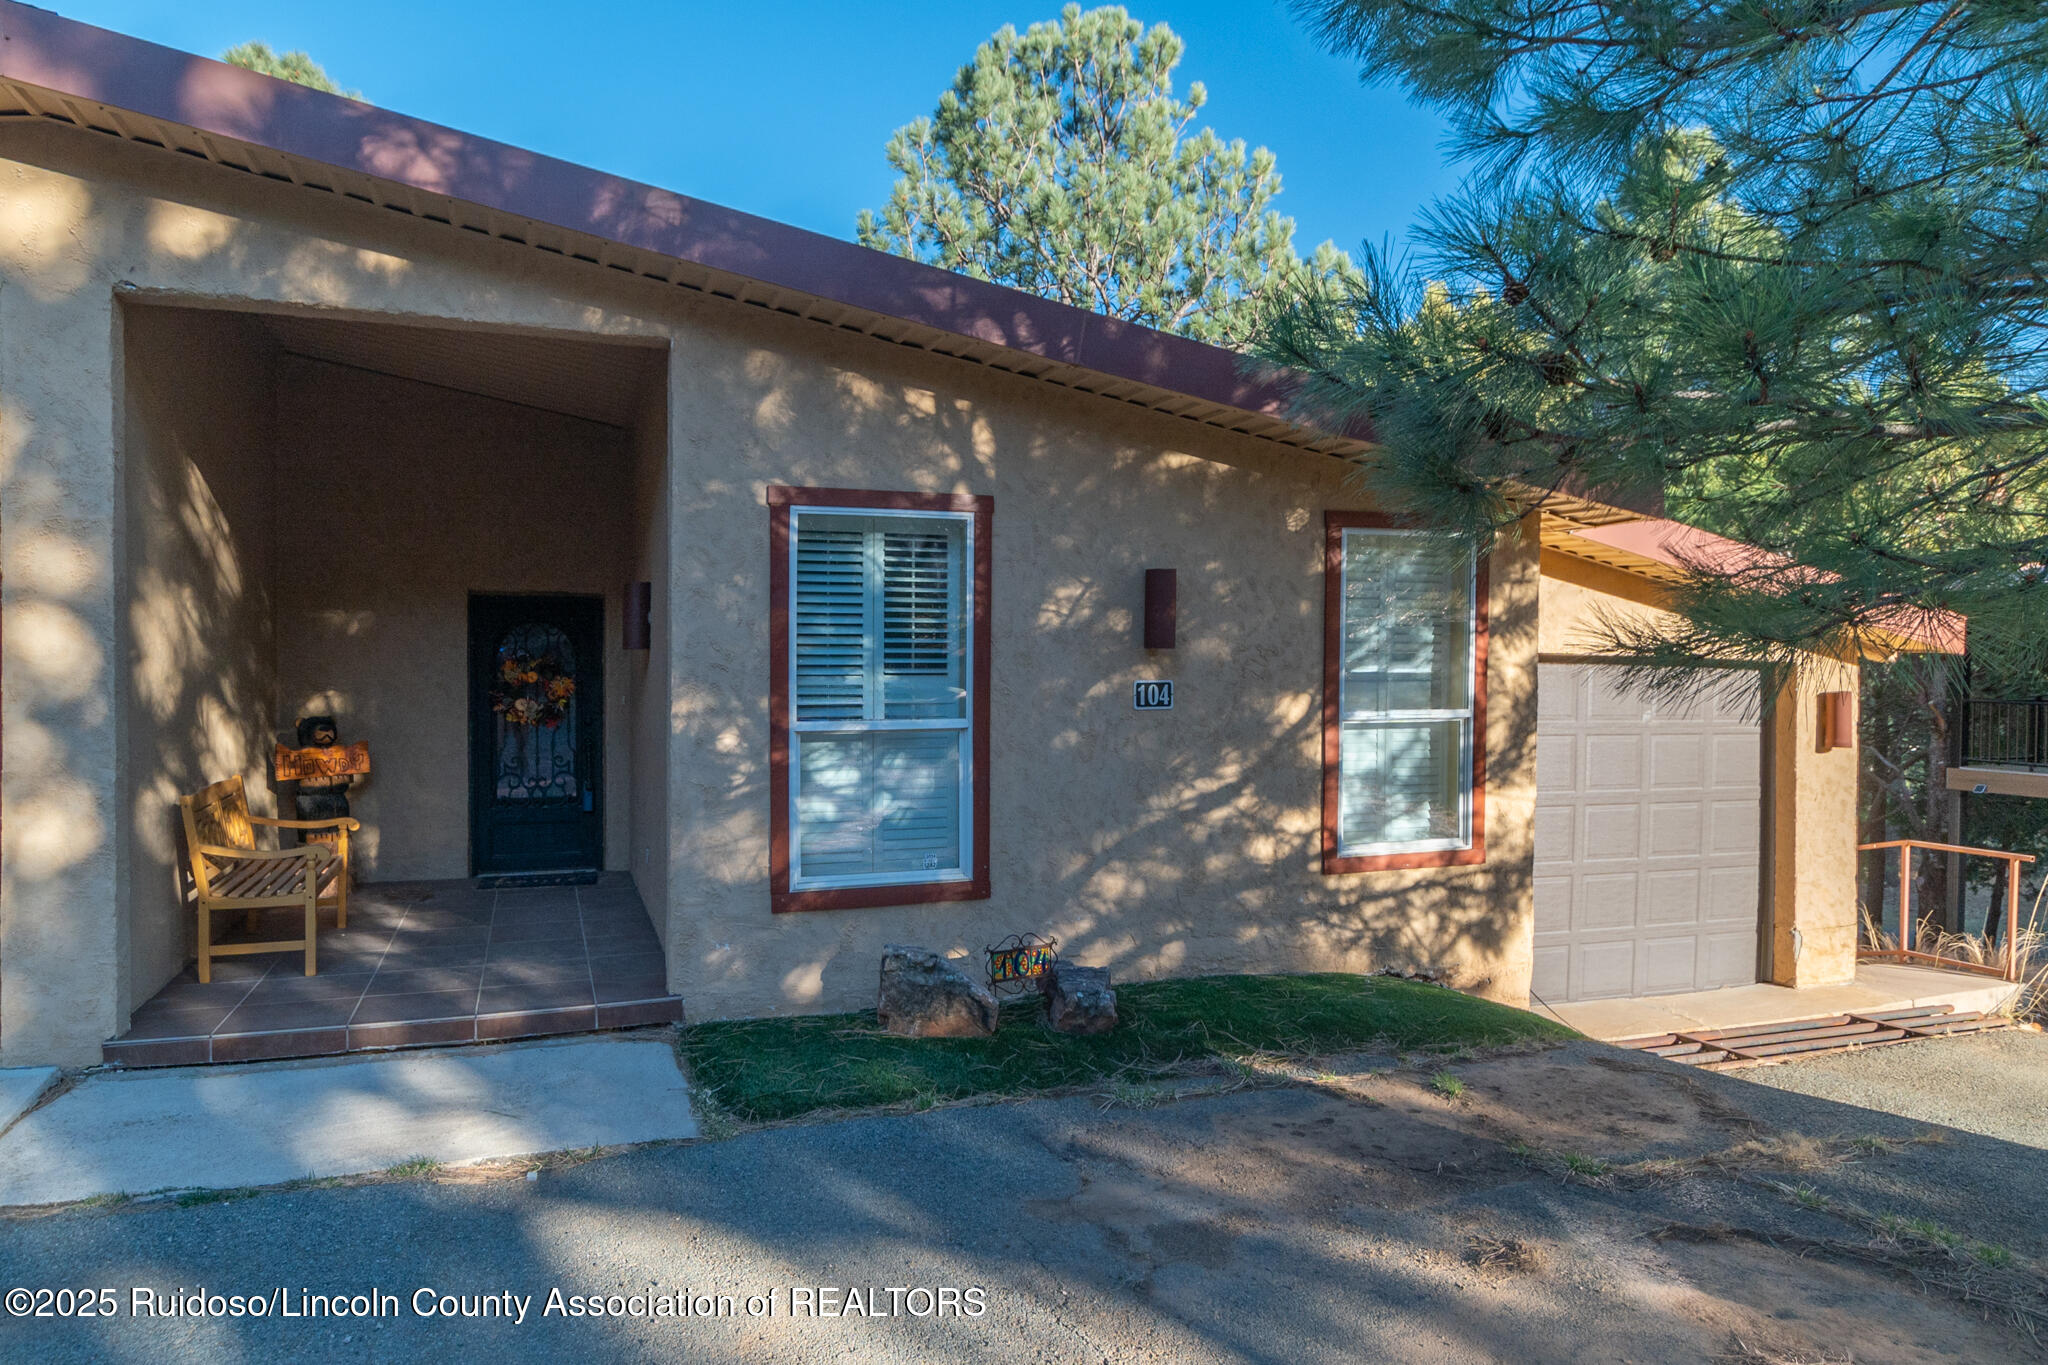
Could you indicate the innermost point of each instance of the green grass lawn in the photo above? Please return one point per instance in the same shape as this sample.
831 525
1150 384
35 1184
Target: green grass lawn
764 1069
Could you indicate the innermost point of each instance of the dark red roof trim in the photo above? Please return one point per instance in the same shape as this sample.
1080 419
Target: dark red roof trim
43 49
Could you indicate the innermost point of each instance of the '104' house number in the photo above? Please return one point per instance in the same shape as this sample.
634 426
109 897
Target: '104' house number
1155 694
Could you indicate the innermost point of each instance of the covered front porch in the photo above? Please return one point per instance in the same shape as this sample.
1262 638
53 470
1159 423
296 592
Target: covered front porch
420 963
448 540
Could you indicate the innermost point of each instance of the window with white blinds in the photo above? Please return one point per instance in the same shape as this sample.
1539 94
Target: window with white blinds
1404 781
880 698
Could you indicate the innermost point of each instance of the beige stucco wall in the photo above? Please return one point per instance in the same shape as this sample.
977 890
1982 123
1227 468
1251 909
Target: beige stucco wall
197 652
646 672
435 494
1809 796
1155 843
1158 844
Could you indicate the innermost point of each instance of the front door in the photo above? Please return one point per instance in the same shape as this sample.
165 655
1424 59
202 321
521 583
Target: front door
536 708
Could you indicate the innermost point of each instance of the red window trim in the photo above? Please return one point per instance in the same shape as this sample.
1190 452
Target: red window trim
976 887
1334 526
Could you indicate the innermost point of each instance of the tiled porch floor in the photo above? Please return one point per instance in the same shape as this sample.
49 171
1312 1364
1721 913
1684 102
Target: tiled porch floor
420 963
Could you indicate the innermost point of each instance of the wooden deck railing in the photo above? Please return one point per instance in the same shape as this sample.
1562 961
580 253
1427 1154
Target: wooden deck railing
1905 953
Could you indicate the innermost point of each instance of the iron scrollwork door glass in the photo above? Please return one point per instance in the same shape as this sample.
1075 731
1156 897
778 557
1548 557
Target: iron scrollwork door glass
534 705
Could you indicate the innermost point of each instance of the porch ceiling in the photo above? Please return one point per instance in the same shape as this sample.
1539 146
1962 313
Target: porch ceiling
595 380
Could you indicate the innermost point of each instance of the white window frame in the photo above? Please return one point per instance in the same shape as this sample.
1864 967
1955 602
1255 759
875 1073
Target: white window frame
1347 718
963 871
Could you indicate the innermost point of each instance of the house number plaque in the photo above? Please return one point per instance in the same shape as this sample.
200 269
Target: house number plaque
1152 695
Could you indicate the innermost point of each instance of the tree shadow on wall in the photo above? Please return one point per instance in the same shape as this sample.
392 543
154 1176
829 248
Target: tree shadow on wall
1158 844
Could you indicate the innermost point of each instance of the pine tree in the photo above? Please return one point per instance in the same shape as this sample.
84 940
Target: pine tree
1779 261
296 67
1061 163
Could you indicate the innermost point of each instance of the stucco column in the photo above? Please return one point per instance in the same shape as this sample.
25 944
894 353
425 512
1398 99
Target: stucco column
63 950
1813 847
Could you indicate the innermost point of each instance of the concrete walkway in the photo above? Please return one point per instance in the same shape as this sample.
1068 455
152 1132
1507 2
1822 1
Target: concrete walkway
20 1087
1878 986
133 1132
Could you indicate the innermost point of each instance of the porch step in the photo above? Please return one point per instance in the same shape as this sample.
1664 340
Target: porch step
1725 1049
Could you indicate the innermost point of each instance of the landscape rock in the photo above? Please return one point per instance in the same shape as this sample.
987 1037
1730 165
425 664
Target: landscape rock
1079 999
925 996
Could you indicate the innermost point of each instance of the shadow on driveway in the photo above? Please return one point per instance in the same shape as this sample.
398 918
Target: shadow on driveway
1361 1218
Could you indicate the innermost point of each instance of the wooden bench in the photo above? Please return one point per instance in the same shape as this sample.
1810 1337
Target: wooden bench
230 873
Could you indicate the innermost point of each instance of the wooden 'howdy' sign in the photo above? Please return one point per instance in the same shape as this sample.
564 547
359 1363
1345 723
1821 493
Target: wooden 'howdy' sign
296 765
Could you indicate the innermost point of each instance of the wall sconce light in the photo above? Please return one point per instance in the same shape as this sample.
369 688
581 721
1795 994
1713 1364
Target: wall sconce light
639 615
1837 721
1161 589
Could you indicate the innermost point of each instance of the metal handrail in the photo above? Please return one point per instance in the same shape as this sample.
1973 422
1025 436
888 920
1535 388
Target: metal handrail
1905 952
2002 732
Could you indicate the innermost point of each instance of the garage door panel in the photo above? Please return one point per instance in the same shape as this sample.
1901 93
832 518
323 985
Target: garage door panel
1737 761
1734 701
1735 828
1671 898
1731 896
1668 964
1603 970
1730 960
1557 834
1678 761
1605 902
1561 706
1557 763
1614 762
1648 831
1608 700
1611 831
1675 829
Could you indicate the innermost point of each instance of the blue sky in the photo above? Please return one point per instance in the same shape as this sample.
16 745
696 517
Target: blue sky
782 107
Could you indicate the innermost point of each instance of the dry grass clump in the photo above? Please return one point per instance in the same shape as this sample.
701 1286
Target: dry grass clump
2030 957
1746 1353
1786 1153
1507 1255
1984 1276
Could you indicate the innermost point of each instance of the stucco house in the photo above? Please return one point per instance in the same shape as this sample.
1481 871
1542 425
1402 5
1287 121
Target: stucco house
309 407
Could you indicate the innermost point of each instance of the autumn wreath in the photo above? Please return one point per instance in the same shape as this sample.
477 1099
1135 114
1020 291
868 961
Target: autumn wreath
532 689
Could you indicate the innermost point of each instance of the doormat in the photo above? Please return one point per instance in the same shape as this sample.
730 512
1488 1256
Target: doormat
1726 1049
513 881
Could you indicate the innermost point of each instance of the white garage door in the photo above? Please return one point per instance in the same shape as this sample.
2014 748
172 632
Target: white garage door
1648 833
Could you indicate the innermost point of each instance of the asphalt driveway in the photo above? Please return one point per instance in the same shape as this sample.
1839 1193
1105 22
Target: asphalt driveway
1359 1217
1993 1083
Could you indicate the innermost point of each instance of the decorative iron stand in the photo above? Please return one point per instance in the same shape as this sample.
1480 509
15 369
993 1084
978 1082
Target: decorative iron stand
1016 964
